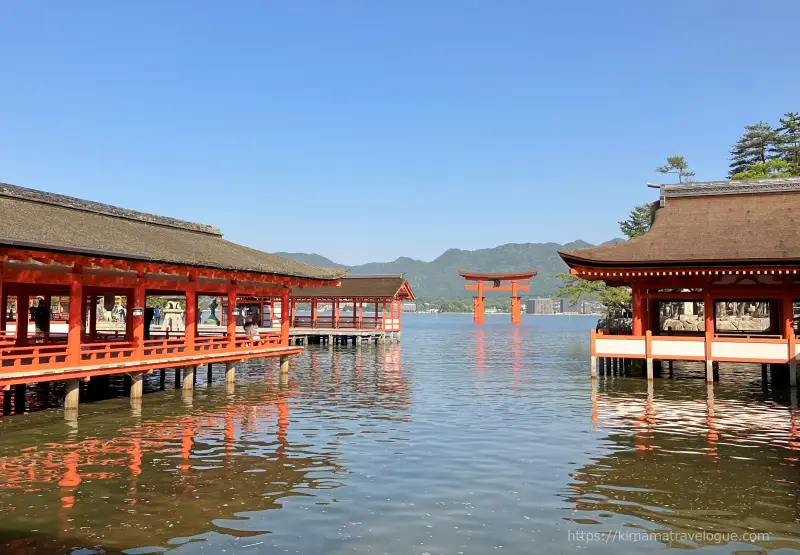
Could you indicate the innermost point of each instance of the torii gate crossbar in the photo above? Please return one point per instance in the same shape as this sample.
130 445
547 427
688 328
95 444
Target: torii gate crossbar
496 279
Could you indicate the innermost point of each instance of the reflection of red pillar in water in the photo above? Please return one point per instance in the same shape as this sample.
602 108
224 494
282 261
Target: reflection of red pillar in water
516 355
71 479
648 420
794 434
595 406
713 436
135 467
230 433
187 440
480 352
283 423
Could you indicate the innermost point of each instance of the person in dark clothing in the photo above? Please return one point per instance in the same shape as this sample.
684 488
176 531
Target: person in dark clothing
41 317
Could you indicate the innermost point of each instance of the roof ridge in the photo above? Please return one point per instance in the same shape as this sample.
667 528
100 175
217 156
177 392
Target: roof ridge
735 187
35 195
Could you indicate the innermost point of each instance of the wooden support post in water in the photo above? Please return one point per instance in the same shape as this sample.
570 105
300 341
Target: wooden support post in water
230 372
177 378
19 398
764 374
285 364
188 377
137 385
72 396
593 366
208 373
163 379
7 402
648 335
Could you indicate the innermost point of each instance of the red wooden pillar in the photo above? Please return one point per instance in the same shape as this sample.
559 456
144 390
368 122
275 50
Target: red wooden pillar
516 315
788 315
191 315
708 310
638 310
93 317
75 320
231 328
286 317
3 309
787 311
335 314
478 305
23 314
399 312
375 326
290 311
360 313
313 313
138 301
48 303
383 318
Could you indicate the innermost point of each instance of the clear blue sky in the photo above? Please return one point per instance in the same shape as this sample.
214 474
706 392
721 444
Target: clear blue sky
369 130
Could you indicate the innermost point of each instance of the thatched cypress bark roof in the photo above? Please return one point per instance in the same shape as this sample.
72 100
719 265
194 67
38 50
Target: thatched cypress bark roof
364 287
56 223
732 223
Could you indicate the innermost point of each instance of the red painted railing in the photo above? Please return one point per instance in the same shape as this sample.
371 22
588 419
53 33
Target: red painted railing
345 322
42 356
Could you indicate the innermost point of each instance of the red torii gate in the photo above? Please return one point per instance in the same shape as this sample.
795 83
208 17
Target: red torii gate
496 278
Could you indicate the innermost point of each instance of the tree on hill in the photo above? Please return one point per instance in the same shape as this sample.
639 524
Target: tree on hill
788 145
757 145
677 165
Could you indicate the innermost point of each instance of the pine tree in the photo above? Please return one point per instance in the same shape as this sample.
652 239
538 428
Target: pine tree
677 165
639 221
788 145
757 145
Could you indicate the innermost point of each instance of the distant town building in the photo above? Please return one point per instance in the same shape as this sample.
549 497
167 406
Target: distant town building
591 307
544 305
540 306
409 307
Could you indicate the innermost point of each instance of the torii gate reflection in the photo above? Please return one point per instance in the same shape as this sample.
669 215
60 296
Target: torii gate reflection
496 278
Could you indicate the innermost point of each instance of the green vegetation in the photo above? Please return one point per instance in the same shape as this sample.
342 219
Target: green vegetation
444 305
677 165
765 152
639 221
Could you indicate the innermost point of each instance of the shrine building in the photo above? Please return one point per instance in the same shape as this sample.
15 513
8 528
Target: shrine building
715 279
79 280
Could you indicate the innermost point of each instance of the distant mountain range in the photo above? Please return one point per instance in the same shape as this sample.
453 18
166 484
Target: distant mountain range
439 278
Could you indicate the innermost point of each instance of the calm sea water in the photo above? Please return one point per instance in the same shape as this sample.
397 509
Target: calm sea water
459 440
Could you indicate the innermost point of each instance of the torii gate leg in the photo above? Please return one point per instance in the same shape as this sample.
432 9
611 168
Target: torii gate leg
477 311
515 305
